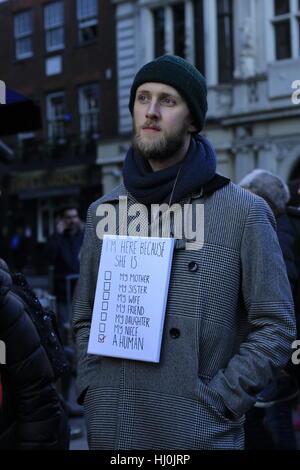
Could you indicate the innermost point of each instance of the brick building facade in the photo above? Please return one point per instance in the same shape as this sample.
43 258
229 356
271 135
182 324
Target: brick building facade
61 54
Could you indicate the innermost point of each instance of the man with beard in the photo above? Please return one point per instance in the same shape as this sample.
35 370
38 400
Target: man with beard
229 321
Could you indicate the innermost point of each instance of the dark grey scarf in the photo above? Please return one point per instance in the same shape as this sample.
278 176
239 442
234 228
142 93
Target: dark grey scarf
147 186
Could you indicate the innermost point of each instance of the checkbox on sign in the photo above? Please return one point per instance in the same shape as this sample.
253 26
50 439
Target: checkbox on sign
101 338
106 286
105 296
102 327
103 316
104 305
107 275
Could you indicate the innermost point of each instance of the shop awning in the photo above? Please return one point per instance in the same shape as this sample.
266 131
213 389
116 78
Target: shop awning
18 113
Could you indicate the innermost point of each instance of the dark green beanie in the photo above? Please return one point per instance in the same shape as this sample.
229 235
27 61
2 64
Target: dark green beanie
180 74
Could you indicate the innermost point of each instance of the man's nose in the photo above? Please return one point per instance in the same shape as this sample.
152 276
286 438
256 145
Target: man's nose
153 110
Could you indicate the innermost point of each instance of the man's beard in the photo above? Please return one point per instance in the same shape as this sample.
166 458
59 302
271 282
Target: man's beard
162 147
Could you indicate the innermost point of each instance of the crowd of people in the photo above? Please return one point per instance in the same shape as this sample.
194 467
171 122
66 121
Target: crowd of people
225 379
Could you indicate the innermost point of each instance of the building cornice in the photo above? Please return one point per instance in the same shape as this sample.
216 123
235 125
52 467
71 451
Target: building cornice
258 116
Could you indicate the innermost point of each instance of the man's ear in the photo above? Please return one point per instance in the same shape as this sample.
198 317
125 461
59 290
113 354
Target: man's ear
192 127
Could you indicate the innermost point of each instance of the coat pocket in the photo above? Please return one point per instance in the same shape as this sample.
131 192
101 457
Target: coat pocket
216 346
216 402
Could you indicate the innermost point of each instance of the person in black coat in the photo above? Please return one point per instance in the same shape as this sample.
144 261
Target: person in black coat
62 252
31 413
294 219
269 424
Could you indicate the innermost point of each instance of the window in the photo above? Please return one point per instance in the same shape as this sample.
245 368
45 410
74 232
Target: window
159 31
55 115
89 109
53 23
225 40
283 39
170 33
282 6
198 31
286 24
87 16
179 29
23 34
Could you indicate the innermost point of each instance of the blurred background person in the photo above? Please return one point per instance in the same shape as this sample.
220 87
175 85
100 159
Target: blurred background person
32 416
62 255
269 424
293 211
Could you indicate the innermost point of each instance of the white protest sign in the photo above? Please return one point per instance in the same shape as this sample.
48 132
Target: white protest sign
131 296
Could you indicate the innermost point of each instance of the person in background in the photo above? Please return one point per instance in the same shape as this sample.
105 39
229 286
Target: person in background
31 413
293 211
62 253
272 413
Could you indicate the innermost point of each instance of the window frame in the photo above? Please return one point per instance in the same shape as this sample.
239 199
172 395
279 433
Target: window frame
198 13
159 30
166 33
50 120
178 29
58 26
86 21
293 17
19 37
84 113
225 75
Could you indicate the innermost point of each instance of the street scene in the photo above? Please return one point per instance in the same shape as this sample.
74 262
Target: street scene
150 225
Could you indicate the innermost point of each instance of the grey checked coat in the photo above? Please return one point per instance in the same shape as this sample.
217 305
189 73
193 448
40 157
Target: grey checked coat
233 317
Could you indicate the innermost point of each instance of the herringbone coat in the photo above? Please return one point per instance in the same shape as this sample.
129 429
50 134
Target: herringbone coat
230 306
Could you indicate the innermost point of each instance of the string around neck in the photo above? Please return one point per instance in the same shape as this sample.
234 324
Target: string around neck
174 185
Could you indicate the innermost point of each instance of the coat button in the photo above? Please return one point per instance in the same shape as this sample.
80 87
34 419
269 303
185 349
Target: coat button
174 333
193 266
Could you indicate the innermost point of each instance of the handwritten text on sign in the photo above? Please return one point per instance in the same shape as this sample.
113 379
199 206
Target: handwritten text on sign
131 297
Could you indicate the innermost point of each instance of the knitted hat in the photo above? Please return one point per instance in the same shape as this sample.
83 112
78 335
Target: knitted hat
269 186
180 74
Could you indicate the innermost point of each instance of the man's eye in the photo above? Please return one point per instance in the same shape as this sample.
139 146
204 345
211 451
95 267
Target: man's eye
169 101
142 98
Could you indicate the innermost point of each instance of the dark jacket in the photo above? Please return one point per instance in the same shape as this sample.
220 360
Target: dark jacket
288 243
62 251
31 414
288 231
